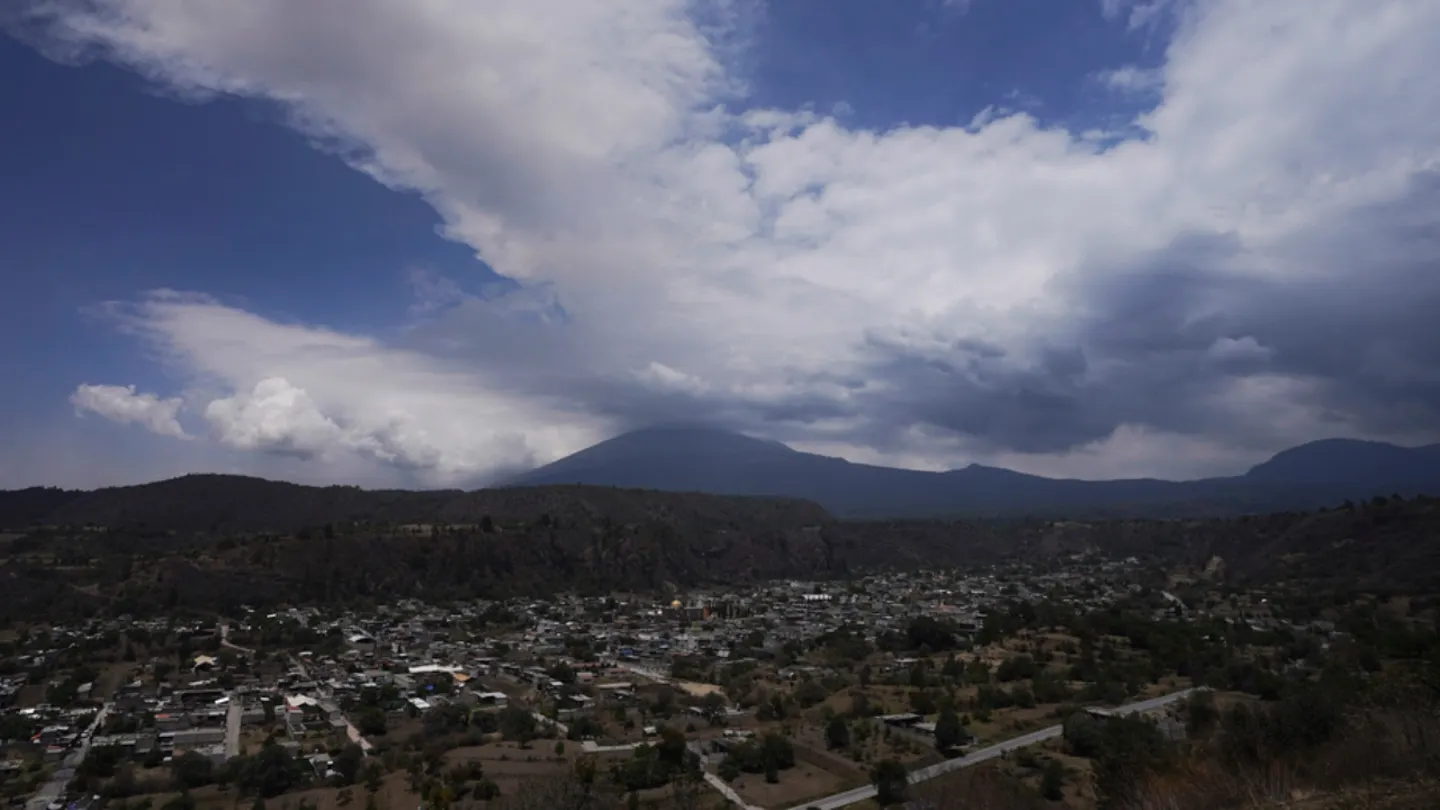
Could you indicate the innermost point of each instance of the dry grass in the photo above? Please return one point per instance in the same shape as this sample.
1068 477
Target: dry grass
797 784
1365 767
509 765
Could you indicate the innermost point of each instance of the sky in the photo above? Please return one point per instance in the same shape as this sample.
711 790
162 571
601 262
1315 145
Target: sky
437 242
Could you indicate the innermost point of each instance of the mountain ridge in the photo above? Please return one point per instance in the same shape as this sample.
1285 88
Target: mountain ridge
694 461
715 461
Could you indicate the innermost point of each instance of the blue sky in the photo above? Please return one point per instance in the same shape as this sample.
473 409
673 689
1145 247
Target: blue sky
782 217
928 62
114 188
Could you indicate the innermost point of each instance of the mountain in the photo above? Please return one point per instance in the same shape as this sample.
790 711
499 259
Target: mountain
237 503
698 459
1347 461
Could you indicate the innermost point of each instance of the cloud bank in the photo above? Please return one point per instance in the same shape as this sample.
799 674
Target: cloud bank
1255 269
121 403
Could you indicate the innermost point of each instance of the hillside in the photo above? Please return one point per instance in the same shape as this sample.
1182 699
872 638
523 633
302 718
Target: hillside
208 542
238 503
706 460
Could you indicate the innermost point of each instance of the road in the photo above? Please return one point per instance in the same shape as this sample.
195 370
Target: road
647 672
232 726
225 640
728 792
351 732
860 794
54 789
559 727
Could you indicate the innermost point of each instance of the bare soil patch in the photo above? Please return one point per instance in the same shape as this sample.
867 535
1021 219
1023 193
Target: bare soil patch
796 785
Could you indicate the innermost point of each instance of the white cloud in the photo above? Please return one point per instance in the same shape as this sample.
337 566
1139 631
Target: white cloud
676 241
1140 13
121 403
1131 79
277 417
358 397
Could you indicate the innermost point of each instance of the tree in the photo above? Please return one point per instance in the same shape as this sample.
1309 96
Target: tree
890 779
809 693
374 778
754 756
927 631
922 701
713 706
347 763
837 733
642 770
949 733
270 772
371 722
1201 714
517 724
1083 735
193 770
1052 781
563 673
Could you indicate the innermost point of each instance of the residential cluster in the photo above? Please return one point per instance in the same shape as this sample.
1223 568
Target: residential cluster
317 681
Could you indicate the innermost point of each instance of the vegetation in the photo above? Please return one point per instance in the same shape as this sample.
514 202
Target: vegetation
889 777
215 542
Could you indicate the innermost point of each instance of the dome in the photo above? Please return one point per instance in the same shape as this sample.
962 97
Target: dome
675 604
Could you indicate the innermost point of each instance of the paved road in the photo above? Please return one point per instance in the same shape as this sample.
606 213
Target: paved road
232 726
860 794
225 640
351 732
52 790
555 724
647 672
728 792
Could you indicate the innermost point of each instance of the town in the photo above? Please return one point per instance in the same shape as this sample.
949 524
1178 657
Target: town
821 694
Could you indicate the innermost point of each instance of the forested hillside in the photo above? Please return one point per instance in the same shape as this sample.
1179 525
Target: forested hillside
208 542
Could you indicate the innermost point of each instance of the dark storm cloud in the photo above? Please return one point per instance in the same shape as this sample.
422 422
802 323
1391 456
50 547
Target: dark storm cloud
1355 314
1160 342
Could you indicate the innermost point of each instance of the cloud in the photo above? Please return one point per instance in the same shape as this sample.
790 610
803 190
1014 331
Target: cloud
1131 79
360 398
1141 14
121 403
1250 271
275 417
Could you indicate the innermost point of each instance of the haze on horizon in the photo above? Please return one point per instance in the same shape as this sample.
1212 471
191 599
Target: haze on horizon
400 244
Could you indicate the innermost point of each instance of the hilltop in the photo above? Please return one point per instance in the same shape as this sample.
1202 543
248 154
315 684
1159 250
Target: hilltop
721 462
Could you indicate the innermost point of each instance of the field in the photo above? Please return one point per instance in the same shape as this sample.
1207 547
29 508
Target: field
796 785
507 764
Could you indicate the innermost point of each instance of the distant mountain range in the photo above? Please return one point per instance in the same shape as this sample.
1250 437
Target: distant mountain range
697 459
702 461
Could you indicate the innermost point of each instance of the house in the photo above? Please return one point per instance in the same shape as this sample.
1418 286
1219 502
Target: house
498 700
361 642
901 720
